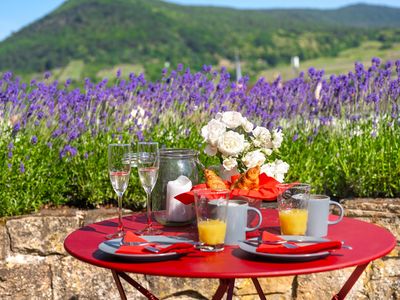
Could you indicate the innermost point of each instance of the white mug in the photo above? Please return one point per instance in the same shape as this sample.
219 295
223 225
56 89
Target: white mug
318 215
237 221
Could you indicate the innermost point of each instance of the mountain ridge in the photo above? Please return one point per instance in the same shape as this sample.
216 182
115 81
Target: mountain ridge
103 33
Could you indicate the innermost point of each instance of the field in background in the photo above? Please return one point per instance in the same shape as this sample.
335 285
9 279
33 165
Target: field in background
341 64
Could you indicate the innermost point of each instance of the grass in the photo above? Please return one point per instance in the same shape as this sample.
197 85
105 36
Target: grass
341 64
125 70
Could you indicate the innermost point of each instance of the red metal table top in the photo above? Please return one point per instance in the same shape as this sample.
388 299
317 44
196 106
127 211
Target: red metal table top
369 242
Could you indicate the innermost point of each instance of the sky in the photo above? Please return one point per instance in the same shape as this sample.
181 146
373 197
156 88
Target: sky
16 14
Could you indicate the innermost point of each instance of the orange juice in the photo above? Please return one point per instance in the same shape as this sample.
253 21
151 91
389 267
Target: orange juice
293 221
212 232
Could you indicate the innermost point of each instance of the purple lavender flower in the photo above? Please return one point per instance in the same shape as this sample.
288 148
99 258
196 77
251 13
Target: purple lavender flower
47 75
22 167
179 68
17 127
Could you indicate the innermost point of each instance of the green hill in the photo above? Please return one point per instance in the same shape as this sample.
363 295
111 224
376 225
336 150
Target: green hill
97 35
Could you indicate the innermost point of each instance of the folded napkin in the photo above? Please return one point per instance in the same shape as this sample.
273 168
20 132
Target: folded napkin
267 190
131 237
141 249
280 249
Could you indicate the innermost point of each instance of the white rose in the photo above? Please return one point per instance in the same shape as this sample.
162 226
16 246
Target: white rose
229 163
247 146
281 166
213 131
232 119
277 138
231 143
247 125
210 150
262 137
253 159
276 169
268 169
279 177
267 152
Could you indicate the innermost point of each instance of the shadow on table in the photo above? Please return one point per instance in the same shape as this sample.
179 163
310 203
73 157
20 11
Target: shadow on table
239 253
91 229
100 255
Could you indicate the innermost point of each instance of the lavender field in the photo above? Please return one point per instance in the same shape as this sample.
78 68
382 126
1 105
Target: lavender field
341 134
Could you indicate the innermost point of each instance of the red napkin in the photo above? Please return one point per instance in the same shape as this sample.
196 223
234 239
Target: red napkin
267 190
280 249
178 248
131 237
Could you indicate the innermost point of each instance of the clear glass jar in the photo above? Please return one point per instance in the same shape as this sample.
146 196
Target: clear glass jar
175 163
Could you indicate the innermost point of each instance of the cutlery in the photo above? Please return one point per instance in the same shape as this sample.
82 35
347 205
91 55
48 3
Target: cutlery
152 249
283 243
157 242
287 243
134 243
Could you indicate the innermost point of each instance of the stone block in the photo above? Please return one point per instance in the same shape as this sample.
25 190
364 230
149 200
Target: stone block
384 288
4 242
100 214
275 288
42 235
73 279
325 285
384 268
25 281
184 288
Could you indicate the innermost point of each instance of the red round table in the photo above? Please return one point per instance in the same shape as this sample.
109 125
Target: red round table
369 242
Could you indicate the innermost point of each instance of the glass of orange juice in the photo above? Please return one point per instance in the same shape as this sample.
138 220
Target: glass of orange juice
211 211
292 206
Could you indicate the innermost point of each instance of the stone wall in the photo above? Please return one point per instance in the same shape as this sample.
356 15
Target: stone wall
34 265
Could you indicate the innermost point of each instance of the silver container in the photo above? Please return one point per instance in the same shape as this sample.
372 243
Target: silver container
173 163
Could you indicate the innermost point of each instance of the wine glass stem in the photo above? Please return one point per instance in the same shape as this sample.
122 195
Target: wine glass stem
148 204
120 224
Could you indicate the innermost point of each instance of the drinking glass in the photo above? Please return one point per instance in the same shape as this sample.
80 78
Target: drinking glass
148 161
133 155
211 212
119 169
292 206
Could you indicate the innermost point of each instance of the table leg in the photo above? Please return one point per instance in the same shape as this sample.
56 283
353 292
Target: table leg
258 288
231 285
223 286
350 282
119 285
133 283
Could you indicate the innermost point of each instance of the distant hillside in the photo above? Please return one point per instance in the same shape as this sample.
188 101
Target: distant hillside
100 34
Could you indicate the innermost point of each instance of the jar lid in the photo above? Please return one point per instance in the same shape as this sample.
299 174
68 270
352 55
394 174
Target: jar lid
178 153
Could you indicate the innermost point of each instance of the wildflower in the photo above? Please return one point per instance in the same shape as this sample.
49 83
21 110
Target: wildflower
34 140
22 167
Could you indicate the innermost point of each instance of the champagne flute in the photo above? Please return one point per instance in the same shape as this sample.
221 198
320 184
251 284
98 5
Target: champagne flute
119 169
148 161
133 155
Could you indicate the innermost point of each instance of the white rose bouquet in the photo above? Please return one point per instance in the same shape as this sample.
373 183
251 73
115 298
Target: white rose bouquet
239 145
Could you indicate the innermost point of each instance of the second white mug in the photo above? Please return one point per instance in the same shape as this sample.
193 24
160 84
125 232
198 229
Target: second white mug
318 215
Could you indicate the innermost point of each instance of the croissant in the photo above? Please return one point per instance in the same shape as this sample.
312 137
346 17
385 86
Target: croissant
213 181
249 180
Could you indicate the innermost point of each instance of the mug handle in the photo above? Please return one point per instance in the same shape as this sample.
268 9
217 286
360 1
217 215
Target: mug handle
341 213
259 218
